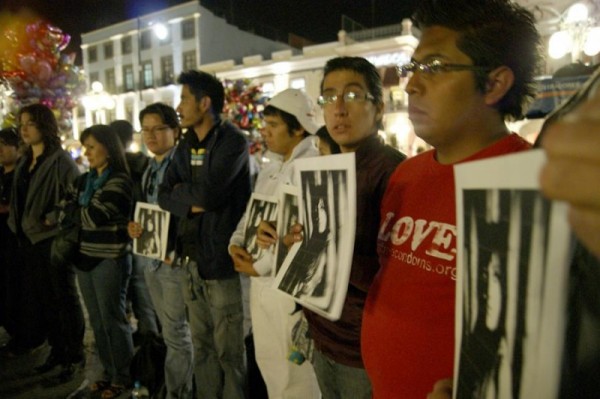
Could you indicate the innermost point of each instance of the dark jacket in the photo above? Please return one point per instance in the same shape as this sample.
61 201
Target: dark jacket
340 340
46 188
220 184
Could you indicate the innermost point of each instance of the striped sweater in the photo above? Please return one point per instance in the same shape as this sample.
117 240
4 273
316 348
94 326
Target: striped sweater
104 220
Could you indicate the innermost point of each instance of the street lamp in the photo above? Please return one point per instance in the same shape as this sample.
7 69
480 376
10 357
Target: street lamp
96 103
578 33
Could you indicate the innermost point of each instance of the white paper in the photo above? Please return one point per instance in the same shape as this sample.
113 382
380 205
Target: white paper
513 262
287 216
315 273
155 224
260 207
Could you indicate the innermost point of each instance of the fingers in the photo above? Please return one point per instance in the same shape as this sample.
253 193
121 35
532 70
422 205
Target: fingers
134 229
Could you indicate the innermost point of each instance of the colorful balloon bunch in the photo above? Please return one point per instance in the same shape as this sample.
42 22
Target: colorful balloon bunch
244 103
37 72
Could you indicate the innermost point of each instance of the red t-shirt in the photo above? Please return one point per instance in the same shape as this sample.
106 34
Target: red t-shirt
408 320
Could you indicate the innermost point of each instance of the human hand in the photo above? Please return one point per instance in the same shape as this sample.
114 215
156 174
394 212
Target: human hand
294 235
572 170
266 234
134 229
242 260
441 390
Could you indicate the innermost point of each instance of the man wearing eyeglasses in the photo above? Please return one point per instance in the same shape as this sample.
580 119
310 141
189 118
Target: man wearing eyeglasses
352 102
472 70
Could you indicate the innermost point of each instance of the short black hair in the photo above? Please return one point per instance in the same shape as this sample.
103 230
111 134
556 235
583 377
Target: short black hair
124 130
290 120
493 33
361 66
106 136
166 113
203 84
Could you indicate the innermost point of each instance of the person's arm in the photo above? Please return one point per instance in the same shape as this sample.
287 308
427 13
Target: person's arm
217 178
572 170
66 171
114 200
173 178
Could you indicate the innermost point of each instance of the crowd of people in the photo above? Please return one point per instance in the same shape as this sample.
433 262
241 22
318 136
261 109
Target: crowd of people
472 71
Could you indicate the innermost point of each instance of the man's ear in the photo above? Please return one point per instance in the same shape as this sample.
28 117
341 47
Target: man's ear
205 104
499 82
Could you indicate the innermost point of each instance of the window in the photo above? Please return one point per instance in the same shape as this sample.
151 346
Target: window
128 83
268 89
166 69
108 51
148 79
109 77
94 77
146 39
188 29
189 60
92 54
126 45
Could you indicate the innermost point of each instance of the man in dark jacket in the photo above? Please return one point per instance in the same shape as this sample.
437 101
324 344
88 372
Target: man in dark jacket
207 186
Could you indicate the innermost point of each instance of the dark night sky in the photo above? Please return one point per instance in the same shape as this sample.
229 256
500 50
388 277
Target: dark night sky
316 20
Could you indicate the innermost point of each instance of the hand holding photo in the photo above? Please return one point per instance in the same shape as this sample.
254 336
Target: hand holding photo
152 242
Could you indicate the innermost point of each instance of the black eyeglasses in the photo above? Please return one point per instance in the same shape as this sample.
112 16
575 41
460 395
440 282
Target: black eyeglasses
434 67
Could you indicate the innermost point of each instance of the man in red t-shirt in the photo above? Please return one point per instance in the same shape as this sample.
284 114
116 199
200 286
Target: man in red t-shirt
473 69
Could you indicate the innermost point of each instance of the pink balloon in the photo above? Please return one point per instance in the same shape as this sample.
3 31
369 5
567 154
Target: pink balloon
44 70
27 62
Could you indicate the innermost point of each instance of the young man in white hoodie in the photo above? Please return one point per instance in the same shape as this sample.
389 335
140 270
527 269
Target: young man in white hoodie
289 132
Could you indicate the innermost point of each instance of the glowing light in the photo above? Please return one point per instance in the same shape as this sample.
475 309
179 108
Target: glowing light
560 44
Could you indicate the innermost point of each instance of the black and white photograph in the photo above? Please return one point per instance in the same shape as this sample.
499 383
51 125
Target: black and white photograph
155 224
260 207
513 248
287 216
316 271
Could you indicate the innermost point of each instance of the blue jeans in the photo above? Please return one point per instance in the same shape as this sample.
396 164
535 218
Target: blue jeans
165 284
103 289
141 303
216 319
337 381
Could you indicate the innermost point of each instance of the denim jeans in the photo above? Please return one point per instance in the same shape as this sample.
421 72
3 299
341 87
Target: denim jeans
216 320
141 303
165 284
103 289
338 381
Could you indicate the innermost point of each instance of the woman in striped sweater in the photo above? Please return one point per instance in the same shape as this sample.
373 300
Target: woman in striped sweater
105 200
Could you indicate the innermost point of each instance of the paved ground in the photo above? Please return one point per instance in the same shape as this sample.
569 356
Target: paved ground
19 381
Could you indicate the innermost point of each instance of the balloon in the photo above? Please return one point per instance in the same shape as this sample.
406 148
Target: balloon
27 62
43 70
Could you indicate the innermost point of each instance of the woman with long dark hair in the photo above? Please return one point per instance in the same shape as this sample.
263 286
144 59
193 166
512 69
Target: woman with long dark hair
51 306
105 196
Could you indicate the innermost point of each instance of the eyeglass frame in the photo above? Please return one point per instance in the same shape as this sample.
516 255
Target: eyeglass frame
349 96
155 130
435 67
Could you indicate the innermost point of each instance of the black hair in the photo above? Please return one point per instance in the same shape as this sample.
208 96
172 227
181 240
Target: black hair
166 113
362 67
493 33
203 84
106 136
324 135
290 120
124 130
46 124
10 136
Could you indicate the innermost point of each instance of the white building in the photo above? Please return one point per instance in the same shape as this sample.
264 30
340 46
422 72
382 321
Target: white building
137 68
